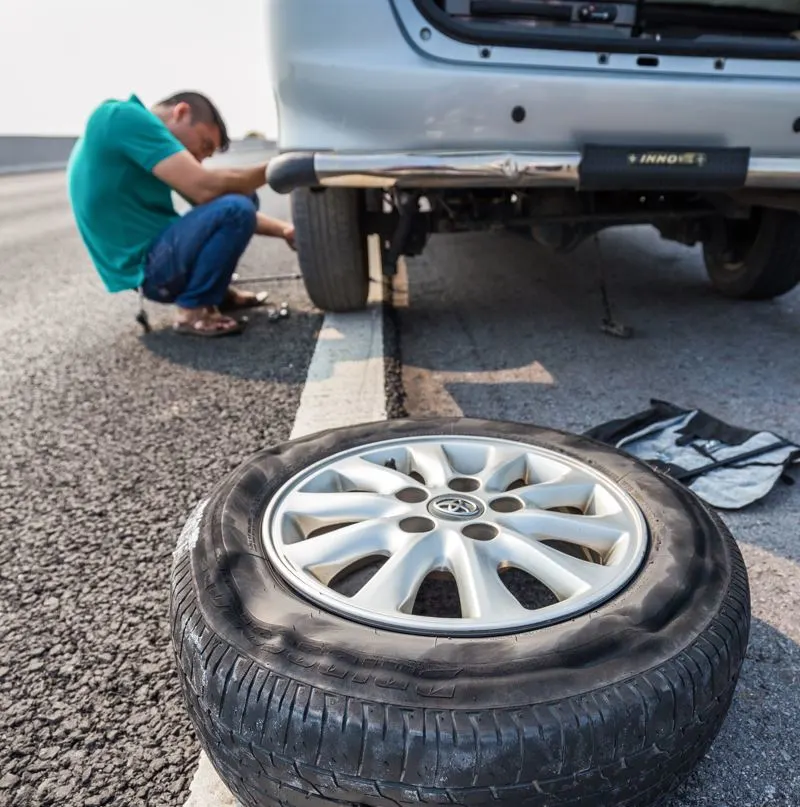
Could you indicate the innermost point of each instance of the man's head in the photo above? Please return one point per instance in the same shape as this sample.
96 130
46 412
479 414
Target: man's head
195 121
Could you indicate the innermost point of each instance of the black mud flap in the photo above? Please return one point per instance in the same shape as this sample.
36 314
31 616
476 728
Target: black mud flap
632 168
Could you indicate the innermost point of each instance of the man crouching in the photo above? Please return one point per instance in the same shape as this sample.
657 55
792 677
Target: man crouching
120 179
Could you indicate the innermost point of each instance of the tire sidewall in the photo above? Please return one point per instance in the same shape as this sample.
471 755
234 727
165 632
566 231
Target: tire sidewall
675 595
331 238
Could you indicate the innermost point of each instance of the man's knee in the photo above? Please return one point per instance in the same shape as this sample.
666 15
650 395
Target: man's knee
239 207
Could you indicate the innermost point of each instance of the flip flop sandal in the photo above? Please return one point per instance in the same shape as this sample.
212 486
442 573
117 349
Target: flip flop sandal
192 329
257 300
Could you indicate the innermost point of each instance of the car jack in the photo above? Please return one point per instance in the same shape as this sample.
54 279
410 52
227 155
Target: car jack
609 325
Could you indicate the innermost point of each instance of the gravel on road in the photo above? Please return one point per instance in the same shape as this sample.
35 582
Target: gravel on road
109 437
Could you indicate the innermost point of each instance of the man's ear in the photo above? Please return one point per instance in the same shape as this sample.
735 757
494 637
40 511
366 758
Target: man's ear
182 112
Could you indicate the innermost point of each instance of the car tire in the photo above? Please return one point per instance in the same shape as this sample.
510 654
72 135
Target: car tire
331 244
297 705
757 259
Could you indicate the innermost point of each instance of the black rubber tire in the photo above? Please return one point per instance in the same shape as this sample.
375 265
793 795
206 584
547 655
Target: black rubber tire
331 241
296 706
767 266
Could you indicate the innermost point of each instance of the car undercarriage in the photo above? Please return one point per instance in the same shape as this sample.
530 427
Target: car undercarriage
557 219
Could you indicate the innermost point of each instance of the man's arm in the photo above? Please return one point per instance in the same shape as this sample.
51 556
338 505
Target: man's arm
141 137
184 174
275 228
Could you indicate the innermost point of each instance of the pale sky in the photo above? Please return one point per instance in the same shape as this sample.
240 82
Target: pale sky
60 58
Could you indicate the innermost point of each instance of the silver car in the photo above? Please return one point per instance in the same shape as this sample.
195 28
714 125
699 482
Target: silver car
557 118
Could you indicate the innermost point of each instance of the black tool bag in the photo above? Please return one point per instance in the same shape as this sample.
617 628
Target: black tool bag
727 466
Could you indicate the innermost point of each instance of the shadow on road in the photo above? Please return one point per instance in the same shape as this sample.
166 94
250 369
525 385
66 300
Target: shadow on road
264 351
498 327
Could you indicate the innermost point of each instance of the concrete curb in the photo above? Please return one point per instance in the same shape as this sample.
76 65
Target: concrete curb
354 377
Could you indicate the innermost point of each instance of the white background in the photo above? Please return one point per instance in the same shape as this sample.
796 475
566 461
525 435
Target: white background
60 58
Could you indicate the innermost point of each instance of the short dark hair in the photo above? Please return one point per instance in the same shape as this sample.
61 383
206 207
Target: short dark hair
203 111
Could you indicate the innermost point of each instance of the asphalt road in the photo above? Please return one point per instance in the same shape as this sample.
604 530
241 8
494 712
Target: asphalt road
498 328
108 439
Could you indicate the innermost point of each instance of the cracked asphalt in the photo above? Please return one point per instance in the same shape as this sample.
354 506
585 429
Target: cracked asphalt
108 439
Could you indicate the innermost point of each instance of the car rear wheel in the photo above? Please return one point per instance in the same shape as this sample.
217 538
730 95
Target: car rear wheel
455 612
331 243
755 259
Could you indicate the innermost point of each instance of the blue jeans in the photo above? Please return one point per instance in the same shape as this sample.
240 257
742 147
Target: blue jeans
191 263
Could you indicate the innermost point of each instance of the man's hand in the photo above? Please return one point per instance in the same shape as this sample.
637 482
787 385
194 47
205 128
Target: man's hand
275 228
288 236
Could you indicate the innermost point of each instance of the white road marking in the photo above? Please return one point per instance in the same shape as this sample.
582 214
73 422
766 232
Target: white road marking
344 387
207 789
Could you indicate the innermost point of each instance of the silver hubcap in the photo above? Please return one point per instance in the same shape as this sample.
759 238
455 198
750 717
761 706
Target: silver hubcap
454 535
453 507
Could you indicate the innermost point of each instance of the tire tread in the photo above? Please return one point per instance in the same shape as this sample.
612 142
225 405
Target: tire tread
332 248
321 744
292 790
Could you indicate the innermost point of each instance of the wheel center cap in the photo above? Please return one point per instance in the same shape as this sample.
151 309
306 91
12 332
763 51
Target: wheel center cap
455 507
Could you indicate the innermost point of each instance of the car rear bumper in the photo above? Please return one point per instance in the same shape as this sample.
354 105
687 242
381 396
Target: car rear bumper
422 170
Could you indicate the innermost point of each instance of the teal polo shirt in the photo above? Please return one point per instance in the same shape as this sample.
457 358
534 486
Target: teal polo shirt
118 204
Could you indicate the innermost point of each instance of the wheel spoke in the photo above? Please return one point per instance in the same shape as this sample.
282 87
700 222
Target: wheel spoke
326 555
503 466
599 533
430 460
367 475
393 588
564 575
480 590
572 490
390 512
321 509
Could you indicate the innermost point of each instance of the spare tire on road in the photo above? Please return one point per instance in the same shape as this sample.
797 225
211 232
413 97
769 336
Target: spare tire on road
455 612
